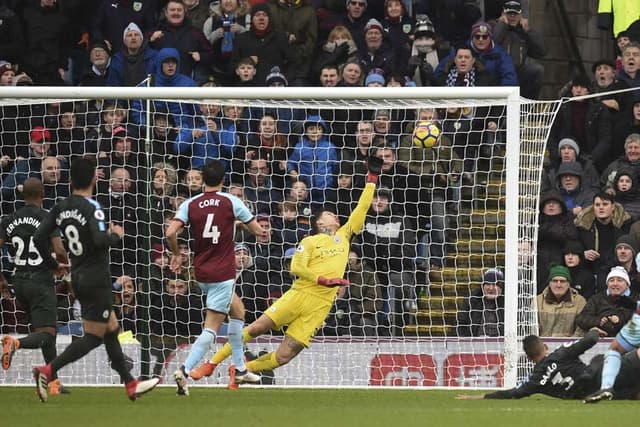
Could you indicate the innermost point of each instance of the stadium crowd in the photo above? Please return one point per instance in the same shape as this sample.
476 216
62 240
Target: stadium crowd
286 162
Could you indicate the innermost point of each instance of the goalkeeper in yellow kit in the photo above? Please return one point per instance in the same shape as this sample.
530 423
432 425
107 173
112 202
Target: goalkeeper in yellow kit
318 265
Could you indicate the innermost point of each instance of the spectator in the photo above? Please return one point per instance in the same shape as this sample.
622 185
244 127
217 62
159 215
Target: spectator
175 31
71 137
131 65
355 20
559 305
398 25
175 319
602 312
267 46
425 53
513 32
167 75
629 161
298 20
625 253
628 123
125 153
7 72
377 52
163 141
194 182
452 19
569 151
125 304
232 126
599 227
48 45
482 315
12 42
314 159
345 196
339 49
351 74
267 252
329 76
221 30
464 70
258 188
622 40
582 279
290 224
246 72
587 121
630 72
55 186
112 115
254 295
366 298
388 241
197 12
569 183
604 71
299 194
555 227
625 188
100 57
201 141
495 59
114 16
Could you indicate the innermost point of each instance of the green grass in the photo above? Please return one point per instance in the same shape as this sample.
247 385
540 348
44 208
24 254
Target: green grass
95 407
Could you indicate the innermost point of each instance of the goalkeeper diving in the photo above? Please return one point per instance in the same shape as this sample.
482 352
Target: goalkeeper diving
319 265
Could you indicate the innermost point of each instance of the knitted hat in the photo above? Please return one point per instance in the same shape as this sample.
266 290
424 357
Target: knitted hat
346 3
512 6
552 195
374 78
39 134
556 270
241 247
570 168
100 44
5 66
383 192
424 27
481 28
620 272
276 76
581 80
373 24
571 143
629 241
261 7
493 275
132 27
573 247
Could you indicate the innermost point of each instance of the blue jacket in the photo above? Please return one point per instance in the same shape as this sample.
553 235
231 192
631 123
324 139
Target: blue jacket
115 74
496 61
181 111
201 150
316 163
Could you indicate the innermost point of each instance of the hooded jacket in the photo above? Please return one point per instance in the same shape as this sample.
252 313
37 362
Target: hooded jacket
180 111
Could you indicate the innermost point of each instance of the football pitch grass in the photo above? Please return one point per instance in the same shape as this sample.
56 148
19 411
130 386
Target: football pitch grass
96 407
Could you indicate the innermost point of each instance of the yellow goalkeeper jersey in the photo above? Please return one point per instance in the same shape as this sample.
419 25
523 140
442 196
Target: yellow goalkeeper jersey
324 255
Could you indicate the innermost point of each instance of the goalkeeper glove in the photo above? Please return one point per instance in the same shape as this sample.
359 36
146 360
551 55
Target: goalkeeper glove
374 166
332 283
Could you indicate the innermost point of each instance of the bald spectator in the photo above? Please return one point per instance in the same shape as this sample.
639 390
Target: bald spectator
55 185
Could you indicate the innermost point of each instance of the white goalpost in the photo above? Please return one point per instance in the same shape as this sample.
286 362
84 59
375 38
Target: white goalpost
454 212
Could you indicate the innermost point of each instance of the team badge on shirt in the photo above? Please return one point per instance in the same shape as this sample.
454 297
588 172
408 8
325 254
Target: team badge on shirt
406 28
336 238
137 6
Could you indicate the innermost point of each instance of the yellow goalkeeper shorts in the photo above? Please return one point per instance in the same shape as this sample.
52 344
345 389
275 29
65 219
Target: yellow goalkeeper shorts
303 312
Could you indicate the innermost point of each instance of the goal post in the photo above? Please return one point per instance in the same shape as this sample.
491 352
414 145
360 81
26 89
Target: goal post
479 219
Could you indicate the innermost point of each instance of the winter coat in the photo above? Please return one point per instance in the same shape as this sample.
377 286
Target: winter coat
602 305
300 20
590 175
117 67
109 22
12 42
519 43
609 174
473 314
558 318
316 163
272 50
48 45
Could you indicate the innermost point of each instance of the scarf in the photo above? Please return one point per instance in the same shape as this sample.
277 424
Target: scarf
468 79
228 36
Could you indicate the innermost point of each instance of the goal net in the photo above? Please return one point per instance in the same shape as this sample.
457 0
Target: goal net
444 220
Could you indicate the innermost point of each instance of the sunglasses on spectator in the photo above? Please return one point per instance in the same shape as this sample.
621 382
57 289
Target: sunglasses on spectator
358 3
480 37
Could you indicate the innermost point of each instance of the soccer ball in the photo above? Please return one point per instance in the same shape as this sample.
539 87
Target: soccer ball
426 134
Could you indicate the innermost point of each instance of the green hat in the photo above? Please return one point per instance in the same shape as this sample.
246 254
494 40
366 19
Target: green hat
558 270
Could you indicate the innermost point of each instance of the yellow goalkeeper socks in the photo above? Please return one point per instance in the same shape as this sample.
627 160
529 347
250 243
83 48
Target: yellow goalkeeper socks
266 362
225 351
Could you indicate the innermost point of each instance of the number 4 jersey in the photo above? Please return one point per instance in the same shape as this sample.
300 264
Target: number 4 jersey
17 230
84 231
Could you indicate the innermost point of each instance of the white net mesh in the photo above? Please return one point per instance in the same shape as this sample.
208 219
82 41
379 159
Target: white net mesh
411 315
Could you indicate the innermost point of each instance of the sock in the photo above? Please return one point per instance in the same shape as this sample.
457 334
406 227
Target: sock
75 351
42 340
114 351
266 362
225 351
235 339
612 361
199 349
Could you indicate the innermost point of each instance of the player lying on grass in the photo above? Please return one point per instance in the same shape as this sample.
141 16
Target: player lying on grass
563 375
319 265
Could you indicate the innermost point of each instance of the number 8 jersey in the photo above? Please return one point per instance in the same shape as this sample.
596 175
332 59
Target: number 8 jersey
84 231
